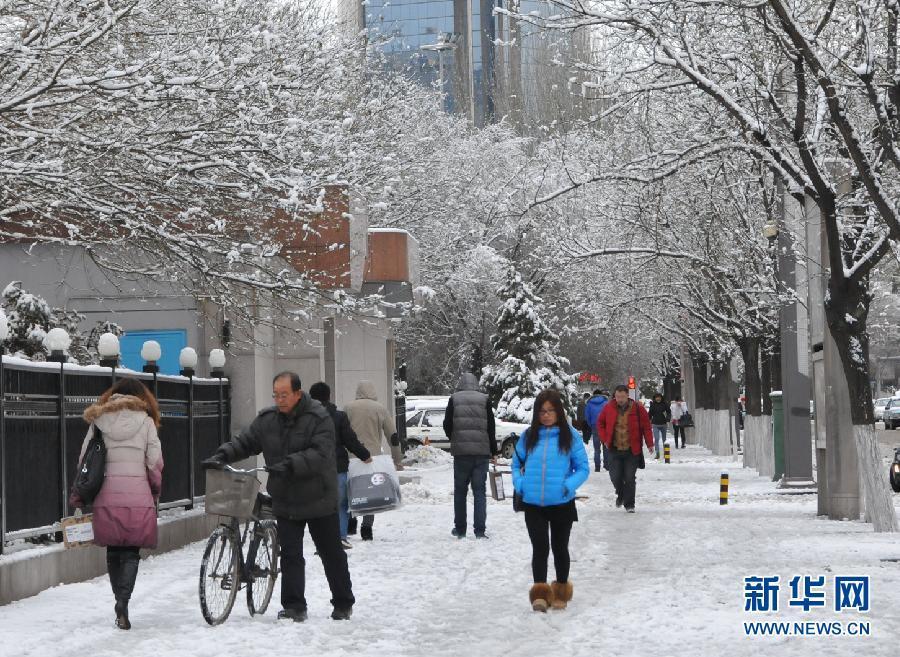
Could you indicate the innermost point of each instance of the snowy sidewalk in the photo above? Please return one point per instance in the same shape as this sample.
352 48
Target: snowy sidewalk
667 580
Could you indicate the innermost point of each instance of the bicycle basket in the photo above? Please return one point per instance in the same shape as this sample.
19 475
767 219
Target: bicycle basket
231 493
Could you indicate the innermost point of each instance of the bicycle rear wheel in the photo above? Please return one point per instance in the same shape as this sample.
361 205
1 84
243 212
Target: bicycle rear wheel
219 575
262 567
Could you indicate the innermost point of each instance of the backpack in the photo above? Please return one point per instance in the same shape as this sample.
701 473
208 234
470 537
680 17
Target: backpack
92 469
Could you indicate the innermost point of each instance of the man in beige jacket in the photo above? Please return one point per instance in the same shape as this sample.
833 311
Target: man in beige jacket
375 428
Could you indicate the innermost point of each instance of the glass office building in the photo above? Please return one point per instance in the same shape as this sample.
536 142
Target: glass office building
429 39
452 46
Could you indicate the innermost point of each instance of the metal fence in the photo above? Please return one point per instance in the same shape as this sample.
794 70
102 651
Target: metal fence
42 430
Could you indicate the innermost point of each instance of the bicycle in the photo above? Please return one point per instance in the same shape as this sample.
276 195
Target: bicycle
234 493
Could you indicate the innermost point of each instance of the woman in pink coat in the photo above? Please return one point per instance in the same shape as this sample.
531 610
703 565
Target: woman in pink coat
125 508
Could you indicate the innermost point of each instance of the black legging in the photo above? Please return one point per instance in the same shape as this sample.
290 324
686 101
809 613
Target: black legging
539 526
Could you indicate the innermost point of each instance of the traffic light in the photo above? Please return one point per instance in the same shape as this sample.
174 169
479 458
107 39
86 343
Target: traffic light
631 383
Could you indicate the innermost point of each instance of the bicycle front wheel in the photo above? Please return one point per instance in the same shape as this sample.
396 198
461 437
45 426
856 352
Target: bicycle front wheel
219 575
263 567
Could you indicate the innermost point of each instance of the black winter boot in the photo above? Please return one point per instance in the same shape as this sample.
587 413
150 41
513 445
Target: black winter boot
114 567
128 575
365 533
351 527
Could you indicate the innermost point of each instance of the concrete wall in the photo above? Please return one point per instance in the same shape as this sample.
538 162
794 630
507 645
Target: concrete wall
358 349
24 574
361 352
66 278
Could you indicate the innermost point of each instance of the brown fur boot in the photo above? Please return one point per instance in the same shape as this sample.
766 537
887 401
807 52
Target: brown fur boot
541 596
562 593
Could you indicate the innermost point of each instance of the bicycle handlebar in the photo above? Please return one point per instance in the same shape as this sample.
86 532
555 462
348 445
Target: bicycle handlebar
241 471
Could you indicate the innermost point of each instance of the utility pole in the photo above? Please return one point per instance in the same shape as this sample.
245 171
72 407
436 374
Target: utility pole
793 323
837 463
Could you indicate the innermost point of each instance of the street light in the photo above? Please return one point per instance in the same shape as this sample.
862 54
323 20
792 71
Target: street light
216 365
217 362
151 352
57 341
446 41
108 348
187 359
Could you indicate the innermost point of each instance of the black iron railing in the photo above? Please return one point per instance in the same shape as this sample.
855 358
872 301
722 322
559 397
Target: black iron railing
41 432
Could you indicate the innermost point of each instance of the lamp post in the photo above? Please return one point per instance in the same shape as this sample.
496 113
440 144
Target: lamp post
58 341
108 348
187 359
151 352
4 334
216 366
446 41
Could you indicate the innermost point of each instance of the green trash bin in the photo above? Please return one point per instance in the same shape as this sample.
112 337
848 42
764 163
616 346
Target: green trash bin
778 433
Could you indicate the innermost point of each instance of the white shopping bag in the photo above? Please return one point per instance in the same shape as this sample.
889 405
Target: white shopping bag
372 487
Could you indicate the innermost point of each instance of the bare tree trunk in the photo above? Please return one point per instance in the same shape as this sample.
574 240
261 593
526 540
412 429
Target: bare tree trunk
846 310
753 422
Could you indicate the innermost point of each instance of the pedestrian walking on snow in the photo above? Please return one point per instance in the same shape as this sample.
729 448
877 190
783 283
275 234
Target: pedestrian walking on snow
548 466
592 410
297 440
677 409
346 442
374 427
622 425
660 414
470 426
124 510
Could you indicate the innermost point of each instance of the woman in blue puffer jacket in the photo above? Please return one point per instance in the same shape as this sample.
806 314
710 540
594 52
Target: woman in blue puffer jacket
548 466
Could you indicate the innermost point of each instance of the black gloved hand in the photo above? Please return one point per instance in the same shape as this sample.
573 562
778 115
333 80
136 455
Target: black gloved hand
215 462
282 467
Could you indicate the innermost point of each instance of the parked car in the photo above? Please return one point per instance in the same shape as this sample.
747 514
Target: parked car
426 420
880 405
892 413
415 402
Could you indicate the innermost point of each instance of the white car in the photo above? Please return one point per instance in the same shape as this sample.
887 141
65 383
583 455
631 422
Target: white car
892 413
880 405
426 420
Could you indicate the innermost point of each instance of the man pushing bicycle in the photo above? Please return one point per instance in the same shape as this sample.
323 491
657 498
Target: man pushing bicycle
296 438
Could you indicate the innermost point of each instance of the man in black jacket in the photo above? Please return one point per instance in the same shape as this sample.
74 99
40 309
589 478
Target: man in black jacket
346 440
296 438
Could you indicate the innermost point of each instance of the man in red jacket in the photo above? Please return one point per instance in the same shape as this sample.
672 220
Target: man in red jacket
621 426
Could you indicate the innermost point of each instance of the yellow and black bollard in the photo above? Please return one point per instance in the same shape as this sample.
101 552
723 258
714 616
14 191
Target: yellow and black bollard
667 452
723 489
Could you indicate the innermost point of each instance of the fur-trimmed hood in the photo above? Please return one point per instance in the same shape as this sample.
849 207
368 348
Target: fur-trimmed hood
120 418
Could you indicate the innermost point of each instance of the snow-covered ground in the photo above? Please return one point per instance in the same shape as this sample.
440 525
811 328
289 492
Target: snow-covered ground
667 580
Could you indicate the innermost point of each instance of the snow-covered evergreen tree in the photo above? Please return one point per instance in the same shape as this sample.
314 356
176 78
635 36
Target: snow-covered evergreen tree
525 350
29 321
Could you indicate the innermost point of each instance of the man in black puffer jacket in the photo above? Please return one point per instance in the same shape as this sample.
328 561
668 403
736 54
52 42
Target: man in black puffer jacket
469 424
346 441
296 438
